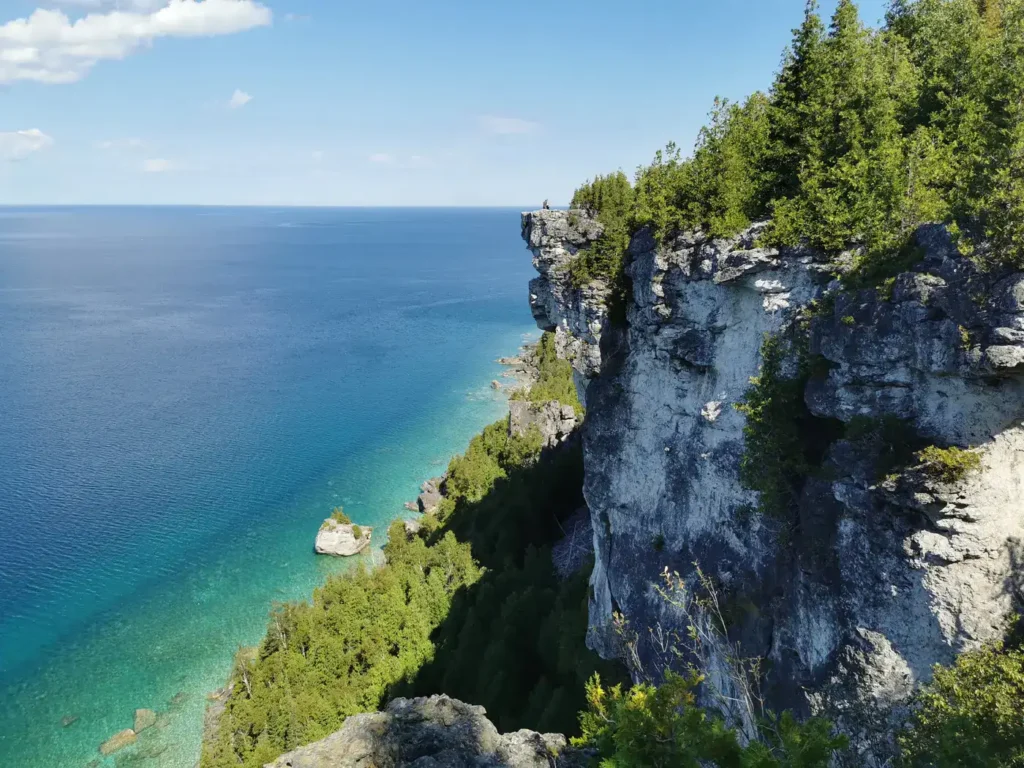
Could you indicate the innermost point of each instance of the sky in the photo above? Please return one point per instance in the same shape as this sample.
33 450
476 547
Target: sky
379 102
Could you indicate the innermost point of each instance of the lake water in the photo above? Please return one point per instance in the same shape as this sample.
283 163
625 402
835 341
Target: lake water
185 393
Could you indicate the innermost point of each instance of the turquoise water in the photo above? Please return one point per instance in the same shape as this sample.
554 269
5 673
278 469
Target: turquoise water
185 394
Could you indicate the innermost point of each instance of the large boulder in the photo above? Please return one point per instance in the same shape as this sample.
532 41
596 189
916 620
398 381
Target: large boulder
435 732
341 539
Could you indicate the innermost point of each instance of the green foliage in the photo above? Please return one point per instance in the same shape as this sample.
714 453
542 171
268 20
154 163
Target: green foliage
949 464
864 135
661 727
783 441
893 441
357 531
338 515
554 376
432 620
609 199
970 714
336 656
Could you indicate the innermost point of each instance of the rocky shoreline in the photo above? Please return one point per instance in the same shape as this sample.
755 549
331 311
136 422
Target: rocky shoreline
523 371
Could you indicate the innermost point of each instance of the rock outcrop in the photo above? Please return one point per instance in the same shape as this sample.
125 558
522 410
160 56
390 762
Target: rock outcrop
865 584
342 539
554 420
577 316
435 732
431 493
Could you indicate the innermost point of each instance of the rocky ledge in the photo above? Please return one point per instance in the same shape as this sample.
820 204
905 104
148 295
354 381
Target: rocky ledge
342 539
435 732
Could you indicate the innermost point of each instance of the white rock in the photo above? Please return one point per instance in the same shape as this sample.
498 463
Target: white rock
339 539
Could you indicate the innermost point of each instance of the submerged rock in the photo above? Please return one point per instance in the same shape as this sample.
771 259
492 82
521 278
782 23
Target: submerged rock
118 741
341 539
144 718
432 732
68 720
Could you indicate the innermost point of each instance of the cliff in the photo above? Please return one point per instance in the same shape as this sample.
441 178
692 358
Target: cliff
861 581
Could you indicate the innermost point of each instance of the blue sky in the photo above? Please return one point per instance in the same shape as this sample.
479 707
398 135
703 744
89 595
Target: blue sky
388 102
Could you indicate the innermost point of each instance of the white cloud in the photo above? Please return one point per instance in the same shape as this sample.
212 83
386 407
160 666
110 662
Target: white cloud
156 165
17 145
506 125
239 99
120 5
48 47
401 161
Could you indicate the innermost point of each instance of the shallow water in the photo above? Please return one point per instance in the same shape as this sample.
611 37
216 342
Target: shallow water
184 395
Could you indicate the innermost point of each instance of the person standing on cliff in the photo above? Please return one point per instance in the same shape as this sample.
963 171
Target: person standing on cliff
545 206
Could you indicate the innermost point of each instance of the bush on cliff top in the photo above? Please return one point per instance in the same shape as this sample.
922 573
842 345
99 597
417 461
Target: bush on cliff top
662 727
970 714
863 135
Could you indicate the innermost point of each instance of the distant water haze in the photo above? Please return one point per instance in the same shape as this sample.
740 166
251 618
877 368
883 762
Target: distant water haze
185 393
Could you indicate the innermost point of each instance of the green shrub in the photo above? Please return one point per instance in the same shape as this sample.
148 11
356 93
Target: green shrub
554 377
948 464
970 714
357 531
894 441
338 515
662 727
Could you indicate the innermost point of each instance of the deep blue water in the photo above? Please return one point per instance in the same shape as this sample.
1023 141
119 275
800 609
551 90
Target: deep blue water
184 394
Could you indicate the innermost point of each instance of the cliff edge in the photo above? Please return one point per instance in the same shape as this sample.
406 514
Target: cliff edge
859 582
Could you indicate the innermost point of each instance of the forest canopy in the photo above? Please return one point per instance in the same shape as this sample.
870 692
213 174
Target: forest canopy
863 135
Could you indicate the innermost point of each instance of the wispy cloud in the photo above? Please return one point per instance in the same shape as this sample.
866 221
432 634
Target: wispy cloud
400 161
17 145
156 165
239 99
503 126
110 145
48 47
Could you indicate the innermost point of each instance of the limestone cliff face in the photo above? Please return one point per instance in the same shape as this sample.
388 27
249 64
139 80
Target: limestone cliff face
871 582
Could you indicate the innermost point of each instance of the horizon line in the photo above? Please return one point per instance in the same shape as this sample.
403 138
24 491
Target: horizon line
271 205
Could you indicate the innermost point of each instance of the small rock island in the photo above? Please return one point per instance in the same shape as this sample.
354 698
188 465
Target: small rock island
340 537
